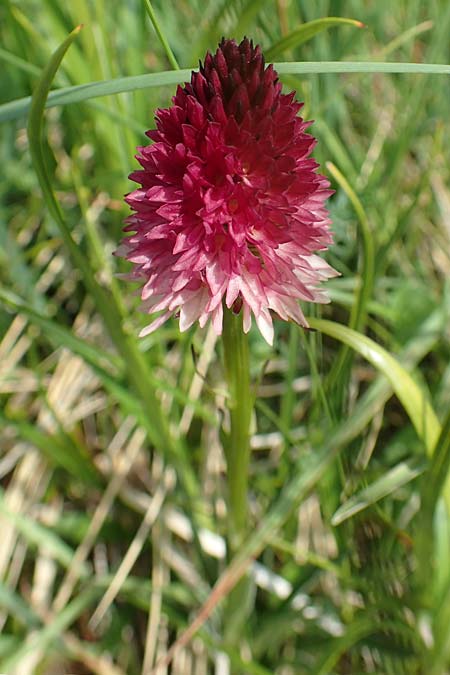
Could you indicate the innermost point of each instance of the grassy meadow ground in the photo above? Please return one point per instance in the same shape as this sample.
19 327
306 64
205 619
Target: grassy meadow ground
112 497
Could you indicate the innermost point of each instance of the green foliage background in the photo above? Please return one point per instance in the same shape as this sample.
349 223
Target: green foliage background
112 505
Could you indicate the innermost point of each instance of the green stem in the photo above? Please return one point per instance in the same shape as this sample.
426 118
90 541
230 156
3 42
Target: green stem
237 446
240 600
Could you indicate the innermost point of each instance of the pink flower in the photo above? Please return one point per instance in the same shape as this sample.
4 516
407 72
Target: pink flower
230 206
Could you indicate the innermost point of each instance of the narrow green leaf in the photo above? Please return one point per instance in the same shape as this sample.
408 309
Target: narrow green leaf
17 62
355 631
45 638
336 148
439 655
405 37
436 482
408 392
61 337
8 645
322 67
441 526
61 452
437 477
400 475
108 367
84 92
14 605
39 536
367 257
307 31
366 266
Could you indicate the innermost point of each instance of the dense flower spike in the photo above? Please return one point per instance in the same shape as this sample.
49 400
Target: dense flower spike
231 207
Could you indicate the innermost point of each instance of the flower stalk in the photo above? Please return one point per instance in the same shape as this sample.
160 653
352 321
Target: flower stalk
237 453
237 445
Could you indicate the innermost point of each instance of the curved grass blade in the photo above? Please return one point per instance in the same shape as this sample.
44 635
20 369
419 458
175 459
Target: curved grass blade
306 32
405 37
16 606
38 535
359 629
59 449
44 638
59 336
340 371
367 263
18 62
408 392
84 92
436 483
109 368
137 367
400 475
437 477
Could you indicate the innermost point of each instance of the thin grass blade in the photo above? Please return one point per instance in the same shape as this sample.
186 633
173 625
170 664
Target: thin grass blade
400 475
366 264
417 407
306 32
84 92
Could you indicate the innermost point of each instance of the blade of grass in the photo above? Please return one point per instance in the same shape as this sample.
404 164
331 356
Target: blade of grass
367 263
108 367
322 67
289 396
400 475
441 525
437 476
18 62
38 535
405 37
83 92
336 148
61 451
61 337
16 606
356 631
436 482
162 38
43 639
306 32
408 392
340 372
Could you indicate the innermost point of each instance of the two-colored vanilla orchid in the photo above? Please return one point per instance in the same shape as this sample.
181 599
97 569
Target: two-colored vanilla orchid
231 209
